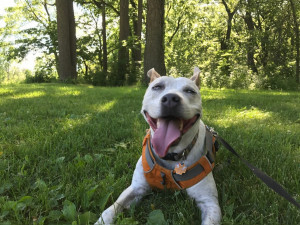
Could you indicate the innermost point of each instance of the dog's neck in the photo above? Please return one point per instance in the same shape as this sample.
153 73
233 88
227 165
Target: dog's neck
182 155
186 140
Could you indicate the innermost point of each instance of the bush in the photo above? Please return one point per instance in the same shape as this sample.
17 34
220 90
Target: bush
99 78
40 76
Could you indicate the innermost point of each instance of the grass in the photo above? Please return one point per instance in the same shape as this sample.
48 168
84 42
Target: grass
67 152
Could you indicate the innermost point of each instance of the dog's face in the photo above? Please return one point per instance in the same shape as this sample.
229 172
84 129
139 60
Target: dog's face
171 106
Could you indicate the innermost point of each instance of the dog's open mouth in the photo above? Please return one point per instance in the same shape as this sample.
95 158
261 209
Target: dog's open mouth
167 131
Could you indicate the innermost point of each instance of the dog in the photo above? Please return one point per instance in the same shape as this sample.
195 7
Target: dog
177 149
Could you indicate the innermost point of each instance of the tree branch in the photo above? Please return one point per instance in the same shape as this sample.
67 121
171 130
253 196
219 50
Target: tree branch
226 7
100 3
34 14
46 9
176 30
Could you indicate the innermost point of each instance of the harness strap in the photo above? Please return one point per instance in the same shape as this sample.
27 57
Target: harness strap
261 175
204 165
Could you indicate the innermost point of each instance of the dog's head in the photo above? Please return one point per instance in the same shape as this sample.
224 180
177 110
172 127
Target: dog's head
171 106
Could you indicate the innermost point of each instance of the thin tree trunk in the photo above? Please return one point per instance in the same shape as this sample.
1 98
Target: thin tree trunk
264 40
104 38
297 44
136 48
101 5
139 29
226 40
154 49
250 45
137 26
123 55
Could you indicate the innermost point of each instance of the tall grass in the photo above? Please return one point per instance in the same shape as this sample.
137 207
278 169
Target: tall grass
67 152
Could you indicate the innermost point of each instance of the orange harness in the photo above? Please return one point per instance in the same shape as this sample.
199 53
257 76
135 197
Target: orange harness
160 177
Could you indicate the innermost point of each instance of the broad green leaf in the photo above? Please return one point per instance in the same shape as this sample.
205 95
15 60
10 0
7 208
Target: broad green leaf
156 217
69 211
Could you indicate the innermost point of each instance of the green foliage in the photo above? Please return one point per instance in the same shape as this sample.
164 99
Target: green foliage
194 32
39 76
45 71
197 30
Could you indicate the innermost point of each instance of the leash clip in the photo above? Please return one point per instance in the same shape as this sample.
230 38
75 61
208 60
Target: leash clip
212 131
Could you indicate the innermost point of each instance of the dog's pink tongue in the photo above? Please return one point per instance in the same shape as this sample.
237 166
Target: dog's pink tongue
167 132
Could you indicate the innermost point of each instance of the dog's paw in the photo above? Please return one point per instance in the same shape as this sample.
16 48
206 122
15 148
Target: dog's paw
107 217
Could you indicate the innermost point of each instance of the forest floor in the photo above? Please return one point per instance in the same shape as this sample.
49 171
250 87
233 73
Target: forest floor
67 152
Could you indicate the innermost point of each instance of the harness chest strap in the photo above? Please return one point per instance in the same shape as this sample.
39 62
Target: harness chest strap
160 177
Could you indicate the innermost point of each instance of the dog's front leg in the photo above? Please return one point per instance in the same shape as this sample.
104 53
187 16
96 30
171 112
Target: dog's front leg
206 197
138 188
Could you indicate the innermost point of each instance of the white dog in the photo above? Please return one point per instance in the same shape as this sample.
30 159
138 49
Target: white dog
178 150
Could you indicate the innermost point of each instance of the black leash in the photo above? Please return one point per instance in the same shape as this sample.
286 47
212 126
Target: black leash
261 175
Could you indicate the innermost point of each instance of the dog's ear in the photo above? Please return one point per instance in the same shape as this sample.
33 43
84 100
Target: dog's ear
196 76
152 74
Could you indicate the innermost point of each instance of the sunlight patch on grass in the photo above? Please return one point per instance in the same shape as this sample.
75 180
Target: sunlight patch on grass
74 121
33 94
5 91
253 113
106 106
64 91
208 94
251 116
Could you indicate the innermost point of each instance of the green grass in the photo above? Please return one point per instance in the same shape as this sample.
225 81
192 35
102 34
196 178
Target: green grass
67 152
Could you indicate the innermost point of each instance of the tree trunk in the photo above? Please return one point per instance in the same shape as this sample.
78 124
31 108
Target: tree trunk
123 55
104 39
136 50
264 40
101 5
297 44
154 49
225 41
66 40
250 45
137 26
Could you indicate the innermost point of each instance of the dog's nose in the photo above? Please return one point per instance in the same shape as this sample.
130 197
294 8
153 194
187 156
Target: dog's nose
170 100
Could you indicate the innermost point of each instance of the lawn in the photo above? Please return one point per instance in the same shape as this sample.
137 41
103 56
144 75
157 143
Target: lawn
67 152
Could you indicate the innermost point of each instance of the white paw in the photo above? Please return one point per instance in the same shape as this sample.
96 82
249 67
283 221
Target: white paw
107 217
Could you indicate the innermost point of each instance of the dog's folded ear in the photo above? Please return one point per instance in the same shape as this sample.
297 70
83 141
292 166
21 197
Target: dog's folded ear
152 74
196 76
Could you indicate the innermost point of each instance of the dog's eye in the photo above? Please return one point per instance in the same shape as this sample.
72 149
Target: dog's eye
189 91
158 87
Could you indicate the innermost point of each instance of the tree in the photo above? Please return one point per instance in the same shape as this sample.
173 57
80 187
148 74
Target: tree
66 40
154 49
251 40
230 13
137 17
102 6
297 41
254 43
104 38
123 55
